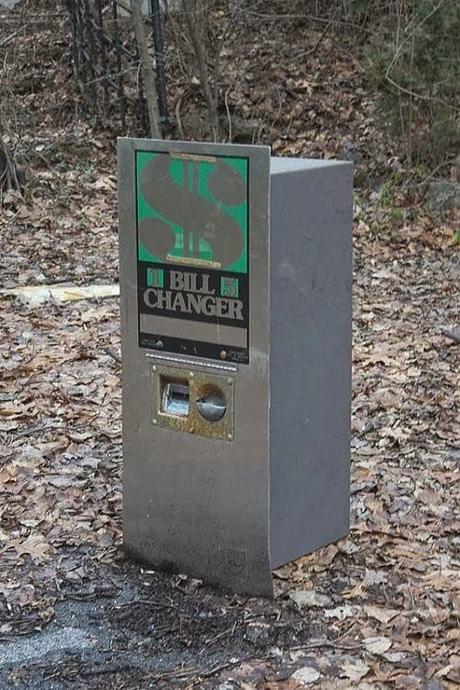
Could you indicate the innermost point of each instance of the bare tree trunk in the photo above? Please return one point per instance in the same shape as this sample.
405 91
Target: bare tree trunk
148 70
8 171
195 18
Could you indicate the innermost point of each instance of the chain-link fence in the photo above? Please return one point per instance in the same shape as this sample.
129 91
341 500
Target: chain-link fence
106 60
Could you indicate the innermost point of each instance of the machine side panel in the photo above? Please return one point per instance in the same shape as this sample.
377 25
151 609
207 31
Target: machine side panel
310 358
196 504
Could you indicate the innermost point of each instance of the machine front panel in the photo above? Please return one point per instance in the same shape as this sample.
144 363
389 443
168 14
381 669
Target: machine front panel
192 228
195 348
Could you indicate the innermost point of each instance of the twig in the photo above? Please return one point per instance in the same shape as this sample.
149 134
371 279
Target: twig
178 119
8 171
46 427
218 52
196 33
278 17
159 58
38 429
8 38
317 644
436 169
118 50
452 333
104 670
148 71
109 351
147 602
313 50
409 36
217 669
102 50
421 96
224 633
229 117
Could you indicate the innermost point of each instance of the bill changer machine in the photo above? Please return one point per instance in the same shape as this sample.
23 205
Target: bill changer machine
236 347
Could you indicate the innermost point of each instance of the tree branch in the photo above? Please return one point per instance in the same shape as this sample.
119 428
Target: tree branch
148 70
196 36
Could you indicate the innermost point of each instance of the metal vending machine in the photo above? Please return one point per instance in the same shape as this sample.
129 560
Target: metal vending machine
236 345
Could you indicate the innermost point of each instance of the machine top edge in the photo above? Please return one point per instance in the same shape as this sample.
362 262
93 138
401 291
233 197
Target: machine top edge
285 165
278 164
206 147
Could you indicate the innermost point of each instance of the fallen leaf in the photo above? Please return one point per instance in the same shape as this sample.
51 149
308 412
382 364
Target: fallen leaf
306 675
309 598
342 612
395 657
381 614
35 546
377 645
355 670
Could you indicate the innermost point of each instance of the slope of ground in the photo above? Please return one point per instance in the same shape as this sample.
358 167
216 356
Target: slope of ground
380 608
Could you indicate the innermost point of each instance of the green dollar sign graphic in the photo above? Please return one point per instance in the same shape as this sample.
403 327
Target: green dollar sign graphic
183 204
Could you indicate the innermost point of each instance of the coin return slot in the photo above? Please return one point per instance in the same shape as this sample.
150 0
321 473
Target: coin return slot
211 404
195 402
175 398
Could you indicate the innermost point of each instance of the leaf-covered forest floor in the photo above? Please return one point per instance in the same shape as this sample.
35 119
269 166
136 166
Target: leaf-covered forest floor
378 609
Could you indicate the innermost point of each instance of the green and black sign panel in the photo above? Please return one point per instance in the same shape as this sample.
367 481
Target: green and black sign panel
192 253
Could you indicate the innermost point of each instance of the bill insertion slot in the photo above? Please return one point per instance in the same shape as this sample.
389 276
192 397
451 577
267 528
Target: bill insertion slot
176 399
